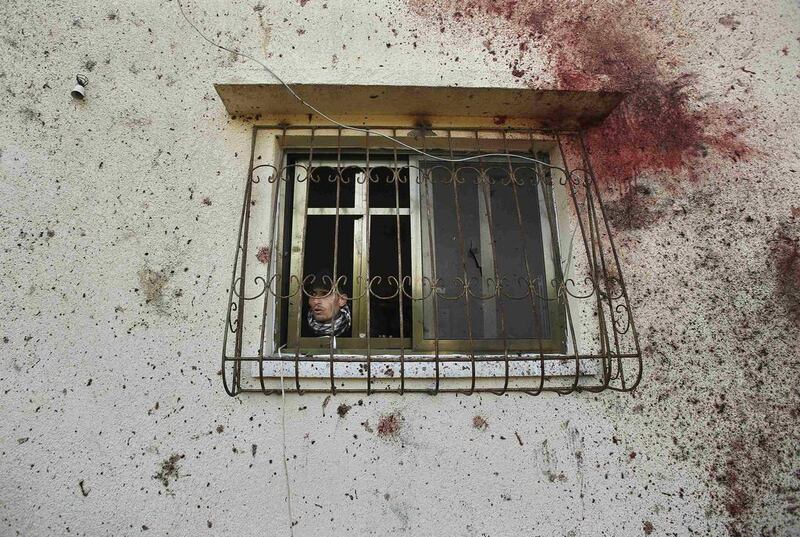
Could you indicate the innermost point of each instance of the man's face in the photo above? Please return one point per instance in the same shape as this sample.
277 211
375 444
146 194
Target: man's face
324 305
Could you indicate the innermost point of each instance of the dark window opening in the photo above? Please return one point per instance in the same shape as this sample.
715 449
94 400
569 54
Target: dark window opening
382 189
323 185
386 293
319 256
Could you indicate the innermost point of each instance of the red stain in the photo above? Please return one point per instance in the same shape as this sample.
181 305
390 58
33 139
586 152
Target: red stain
264 254
785 253
655 130
389 425
303 3
594 46
500 120
738 501
744 473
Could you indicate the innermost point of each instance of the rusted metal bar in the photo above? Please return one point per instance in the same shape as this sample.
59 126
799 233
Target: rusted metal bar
302 282
277 183
241 236
595 276
483 183
530 280
400 295
435 282
602 293
549 389
237 370
569 182
623 288
335 283
549 204
365 251
429 359
462 256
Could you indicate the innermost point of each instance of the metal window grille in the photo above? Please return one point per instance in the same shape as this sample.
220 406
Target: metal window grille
493 274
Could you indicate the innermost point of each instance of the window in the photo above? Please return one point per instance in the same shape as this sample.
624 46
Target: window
496 272
428 253
362 205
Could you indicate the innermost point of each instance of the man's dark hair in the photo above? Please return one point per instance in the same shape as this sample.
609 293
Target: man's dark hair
321 280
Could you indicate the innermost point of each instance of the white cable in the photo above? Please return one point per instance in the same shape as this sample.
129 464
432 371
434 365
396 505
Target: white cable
350 127
283 434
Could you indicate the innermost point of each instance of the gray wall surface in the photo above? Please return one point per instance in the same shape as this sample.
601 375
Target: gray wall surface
119 214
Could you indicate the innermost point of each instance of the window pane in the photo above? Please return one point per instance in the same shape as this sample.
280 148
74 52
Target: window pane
323 184
319 256
482 307
456 255
382 187
383 258
513 252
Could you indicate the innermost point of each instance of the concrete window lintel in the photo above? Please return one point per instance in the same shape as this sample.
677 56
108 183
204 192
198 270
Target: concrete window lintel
557 109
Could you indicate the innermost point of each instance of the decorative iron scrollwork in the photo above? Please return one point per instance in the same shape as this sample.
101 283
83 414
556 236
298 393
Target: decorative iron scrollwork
581 301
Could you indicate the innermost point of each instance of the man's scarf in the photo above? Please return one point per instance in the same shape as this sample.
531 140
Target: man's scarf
336 327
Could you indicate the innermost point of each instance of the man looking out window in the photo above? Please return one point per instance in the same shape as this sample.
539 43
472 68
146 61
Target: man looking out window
328 311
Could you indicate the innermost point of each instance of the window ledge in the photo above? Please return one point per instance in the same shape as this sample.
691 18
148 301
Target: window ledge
422 366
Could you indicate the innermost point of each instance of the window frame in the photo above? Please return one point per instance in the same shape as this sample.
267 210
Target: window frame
415 343
360 260
556 318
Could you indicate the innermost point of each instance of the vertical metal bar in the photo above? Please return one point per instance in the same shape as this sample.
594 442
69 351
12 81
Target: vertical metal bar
273 260
463 265
597 249
335 283
495 265
366 250
559 273
549 204
309 175
237 368
396 177
536 324
605 347
586 241
237 352
396 174
434 279
588 164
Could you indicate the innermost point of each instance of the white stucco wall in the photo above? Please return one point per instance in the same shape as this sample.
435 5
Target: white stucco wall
118 218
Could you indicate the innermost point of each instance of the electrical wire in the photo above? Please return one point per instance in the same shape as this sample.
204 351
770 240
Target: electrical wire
283 434
343 125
